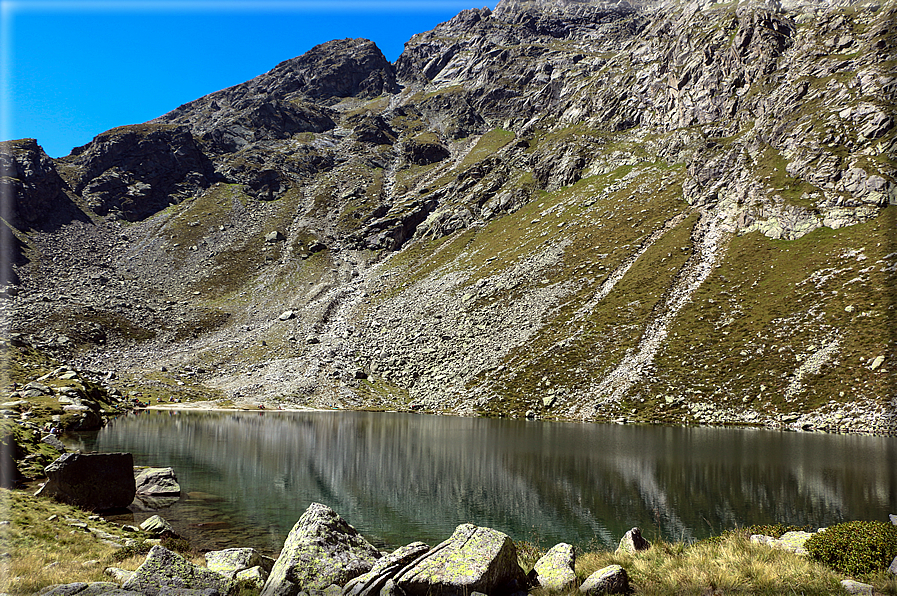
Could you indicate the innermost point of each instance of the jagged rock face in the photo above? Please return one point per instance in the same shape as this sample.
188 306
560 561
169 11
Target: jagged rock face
34 194
137 171
672 211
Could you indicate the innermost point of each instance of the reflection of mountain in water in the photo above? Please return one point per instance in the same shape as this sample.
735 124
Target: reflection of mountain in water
403 477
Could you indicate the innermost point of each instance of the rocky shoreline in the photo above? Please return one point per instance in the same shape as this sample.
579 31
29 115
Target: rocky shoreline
325 556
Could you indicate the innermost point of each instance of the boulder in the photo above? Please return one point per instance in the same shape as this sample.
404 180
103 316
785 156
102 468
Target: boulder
231 561
893 568
633 542
555 570
372 582
473 559
274 236
287 315
893 518
91 481
855 587
793 542
609 580
321 549
156 482
254 575
164 570
157 525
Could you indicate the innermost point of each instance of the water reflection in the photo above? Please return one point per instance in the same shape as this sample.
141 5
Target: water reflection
399 477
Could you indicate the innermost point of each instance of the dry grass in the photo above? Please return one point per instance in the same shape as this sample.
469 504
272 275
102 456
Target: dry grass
37 551
729 566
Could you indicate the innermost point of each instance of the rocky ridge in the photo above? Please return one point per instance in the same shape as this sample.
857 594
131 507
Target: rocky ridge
676 212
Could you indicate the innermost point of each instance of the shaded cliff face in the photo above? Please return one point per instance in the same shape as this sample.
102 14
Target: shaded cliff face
679 212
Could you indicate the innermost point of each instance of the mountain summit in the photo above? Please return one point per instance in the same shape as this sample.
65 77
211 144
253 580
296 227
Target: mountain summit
677 212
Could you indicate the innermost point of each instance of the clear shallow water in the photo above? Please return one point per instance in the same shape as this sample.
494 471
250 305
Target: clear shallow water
247 477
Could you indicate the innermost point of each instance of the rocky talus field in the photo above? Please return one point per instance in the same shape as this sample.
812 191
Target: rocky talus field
674 212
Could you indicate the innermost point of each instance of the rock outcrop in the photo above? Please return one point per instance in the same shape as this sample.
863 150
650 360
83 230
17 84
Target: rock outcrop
503 190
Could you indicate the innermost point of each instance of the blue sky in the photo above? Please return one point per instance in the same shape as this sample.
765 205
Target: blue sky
71 69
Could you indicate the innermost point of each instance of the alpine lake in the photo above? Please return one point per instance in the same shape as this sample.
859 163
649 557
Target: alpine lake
246 477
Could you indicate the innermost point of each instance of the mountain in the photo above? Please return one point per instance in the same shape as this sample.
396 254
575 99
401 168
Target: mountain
676 212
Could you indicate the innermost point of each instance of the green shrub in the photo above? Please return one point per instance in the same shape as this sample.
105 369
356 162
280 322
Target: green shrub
855 548
137 548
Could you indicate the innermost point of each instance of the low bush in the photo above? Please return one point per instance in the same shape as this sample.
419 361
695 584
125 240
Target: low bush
855 548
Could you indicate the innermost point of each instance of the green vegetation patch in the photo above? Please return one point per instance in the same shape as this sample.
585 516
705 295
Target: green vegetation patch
856 548
747 333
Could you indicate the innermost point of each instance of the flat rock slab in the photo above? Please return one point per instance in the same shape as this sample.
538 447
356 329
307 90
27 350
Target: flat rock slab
322 549
85 589
473 559
94 481
555 569
858 588
156 482
372 582
231 561
792 542
165 571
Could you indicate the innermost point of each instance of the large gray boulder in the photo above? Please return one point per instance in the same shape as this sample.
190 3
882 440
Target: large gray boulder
612 579
164 571
555 569
94 481
473 559
370 583
321 549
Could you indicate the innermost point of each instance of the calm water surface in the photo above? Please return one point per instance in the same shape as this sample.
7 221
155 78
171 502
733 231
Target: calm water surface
247 477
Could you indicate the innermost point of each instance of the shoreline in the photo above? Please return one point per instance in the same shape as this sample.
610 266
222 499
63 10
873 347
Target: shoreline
211 406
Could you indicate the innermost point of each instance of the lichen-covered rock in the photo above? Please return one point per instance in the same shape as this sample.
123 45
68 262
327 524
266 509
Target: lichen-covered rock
156 482
612 579
254 575
85 589
472 559
857 588
165 570
370 583
232 561
321 549
893 568
94 481
792 542
555 569
633 542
